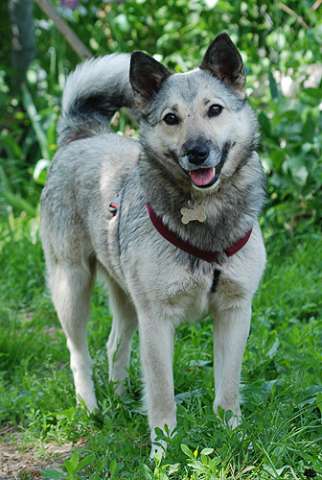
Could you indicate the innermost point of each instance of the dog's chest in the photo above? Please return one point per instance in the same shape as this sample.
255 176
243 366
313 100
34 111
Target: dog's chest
187 296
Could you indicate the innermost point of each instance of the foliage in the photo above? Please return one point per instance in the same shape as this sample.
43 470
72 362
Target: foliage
280 43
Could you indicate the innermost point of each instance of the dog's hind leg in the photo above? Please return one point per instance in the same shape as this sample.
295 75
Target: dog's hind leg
70 285
119 342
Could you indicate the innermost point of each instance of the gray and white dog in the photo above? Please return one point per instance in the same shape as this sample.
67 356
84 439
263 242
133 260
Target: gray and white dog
182 240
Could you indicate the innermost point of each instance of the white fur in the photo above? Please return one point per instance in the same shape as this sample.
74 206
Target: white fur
95 75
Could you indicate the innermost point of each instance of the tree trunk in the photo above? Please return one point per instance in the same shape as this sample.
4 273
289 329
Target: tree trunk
5 36
23 38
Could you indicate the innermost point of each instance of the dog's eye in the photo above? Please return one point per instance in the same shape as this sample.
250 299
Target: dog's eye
171 119
215 110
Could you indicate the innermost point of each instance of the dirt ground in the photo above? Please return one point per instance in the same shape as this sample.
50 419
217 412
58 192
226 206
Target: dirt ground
19 461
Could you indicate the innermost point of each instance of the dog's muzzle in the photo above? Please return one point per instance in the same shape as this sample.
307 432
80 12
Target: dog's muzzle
203 162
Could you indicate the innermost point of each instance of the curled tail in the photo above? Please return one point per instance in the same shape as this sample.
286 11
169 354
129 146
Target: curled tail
92 94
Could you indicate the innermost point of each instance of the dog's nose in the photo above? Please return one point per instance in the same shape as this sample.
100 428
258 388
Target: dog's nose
198 154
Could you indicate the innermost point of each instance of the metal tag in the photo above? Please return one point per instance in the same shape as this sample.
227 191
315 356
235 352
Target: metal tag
193 214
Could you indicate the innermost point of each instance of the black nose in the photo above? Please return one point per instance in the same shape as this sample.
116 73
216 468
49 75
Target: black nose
198 154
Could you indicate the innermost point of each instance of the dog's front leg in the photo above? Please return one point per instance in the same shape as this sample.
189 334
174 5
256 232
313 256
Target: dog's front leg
156 346
231 333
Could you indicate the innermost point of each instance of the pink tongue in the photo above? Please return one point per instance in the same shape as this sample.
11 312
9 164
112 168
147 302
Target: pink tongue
202 176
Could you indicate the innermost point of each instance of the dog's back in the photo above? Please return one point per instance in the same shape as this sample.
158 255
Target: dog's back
91 164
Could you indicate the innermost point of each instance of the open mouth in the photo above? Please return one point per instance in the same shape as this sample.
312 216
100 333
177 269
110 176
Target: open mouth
203 177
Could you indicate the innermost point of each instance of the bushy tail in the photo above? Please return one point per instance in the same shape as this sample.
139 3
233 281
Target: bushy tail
92 94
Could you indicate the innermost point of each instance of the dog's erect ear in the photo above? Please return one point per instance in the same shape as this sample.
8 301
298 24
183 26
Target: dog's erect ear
223 60
146 74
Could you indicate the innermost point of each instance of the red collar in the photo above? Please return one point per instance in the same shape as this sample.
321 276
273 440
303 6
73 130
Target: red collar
207 255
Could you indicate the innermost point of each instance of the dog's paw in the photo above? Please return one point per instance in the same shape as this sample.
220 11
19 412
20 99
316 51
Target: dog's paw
88 402
120 389
158 450
160 437
231 416
234 421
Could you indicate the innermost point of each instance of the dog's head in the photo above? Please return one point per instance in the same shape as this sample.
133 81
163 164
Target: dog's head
196 124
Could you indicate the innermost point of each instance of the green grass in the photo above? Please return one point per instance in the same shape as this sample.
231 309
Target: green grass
281 389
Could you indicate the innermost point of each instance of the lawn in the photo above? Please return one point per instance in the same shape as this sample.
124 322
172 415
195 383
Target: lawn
44 435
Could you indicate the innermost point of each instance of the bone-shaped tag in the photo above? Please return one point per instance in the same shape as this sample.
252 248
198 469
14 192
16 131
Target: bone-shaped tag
196 213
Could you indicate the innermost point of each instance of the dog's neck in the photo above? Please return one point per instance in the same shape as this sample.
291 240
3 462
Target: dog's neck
230 211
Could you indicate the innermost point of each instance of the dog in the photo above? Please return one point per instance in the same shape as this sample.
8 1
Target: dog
169 221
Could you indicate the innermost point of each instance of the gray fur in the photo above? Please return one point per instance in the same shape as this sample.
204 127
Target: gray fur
152 284
92 94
